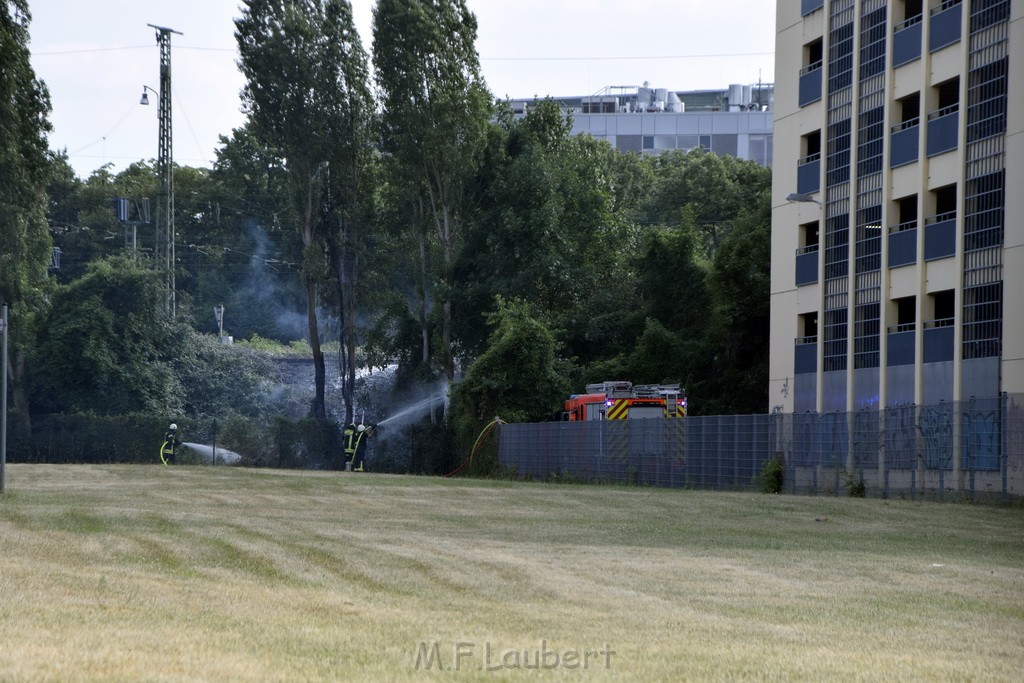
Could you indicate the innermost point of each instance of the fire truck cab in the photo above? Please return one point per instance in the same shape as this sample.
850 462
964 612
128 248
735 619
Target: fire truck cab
621 400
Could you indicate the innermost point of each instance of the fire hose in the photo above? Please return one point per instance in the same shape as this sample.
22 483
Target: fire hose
478 444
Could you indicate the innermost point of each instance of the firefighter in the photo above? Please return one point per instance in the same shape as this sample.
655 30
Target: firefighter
349 440
363 434
170 445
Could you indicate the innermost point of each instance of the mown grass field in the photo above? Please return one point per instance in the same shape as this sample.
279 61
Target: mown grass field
152 573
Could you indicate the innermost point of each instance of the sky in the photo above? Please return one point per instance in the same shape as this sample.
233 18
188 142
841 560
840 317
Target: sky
96 55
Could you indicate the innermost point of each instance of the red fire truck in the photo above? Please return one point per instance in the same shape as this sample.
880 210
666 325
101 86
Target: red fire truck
624 401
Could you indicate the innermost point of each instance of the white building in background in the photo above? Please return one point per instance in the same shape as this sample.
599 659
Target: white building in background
898 271
735 122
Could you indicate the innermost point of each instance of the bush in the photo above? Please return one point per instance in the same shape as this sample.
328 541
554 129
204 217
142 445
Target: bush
307 443
251 439
772 475
85 438
855 486
420 448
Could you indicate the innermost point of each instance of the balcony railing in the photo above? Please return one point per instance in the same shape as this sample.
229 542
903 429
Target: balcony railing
938 340
944 25
807 265
810 84
940 236
906 41
808 174
900 342
805 355
903 143
808 6
943 129
903 244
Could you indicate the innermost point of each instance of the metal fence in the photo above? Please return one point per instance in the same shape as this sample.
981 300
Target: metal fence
270 442
974 448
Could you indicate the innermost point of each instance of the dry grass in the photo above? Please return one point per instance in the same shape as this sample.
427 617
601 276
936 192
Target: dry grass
149 573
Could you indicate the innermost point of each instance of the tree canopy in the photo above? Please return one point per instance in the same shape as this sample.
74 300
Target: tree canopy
420 224
307 98
435 112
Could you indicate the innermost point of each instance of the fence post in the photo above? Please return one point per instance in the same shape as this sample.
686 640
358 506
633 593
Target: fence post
718 452
1004 441
883 470
958 445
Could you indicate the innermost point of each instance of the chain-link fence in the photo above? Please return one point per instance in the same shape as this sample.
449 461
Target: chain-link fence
974 448
273 442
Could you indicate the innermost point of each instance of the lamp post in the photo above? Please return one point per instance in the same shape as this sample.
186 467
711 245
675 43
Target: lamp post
801 197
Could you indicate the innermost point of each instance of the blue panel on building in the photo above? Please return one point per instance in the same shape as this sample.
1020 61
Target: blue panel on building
981 433
939 240
902 248
937 381
938 344
903 147
900 386
810 87
981 377
942 133
900 348
808 6
805 358
808 177
865 389
944 28
833 385
805 393
906 45
807 268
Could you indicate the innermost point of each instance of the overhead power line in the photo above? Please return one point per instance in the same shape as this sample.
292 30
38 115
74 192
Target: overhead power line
576 58
92 49
596 58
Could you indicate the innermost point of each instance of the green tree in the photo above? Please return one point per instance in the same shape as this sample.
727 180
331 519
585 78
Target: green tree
518 378
254 275
549 229
25 169
351 190
740 286
109 348
435 113
295 56
704 190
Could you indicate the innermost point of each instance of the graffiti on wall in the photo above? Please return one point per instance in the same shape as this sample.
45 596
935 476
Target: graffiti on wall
980 440
937 435
901 437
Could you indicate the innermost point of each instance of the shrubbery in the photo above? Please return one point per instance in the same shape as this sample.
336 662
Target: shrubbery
772 476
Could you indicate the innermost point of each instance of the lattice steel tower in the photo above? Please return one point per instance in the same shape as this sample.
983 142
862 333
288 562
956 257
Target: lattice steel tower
164 248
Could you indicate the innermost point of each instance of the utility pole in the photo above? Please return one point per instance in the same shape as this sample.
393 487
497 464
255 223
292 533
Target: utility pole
3 398
165 171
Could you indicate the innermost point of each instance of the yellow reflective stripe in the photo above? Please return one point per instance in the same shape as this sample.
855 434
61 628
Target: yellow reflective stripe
619 410
680 410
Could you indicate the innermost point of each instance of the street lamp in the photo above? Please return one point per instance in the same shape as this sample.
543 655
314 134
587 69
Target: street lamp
145 95
801 197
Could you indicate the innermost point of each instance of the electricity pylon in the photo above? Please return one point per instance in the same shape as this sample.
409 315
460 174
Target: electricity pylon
165 171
